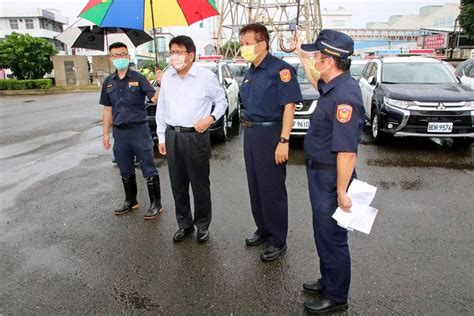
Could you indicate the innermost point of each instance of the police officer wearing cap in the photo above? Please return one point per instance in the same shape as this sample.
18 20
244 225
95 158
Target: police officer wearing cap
123 96
330 149
268 93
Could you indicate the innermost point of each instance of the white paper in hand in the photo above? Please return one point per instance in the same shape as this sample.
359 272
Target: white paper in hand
362 216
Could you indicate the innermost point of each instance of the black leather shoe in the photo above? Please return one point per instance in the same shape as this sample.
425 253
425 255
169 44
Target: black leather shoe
182 233
313 287
202 235
271 252
255 239
324 305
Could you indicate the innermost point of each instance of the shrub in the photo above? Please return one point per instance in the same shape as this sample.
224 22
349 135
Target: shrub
13 84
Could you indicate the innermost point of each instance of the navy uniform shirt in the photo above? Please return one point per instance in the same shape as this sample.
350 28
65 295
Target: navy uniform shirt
337 123
126 97
267 88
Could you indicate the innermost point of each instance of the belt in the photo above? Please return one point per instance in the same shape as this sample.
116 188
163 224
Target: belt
319 165
128 125
248 124
180 129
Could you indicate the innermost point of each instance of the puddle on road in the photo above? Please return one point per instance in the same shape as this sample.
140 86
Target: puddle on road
414 162
33 144
15 180
414 185
405 185
133 300
385 185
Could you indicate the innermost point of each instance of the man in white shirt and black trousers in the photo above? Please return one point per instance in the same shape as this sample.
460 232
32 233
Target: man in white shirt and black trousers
183 117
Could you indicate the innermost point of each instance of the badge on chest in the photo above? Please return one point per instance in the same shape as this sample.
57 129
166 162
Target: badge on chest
133 84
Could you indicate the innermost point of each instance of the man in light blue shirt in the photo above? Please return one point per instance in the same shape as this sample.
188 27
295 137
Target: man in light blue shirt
183 116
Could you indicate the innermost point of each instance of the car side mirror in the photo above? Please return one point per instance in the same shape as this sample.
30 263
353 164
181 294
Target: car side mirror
372 80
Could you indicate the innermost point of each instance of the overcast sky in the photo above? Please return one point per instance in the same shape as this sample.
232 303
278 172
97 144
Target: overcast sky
363 11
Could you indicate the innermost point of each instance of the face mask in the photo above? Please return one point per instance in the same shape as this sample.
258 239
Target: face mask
248 53
177 61
316 74
121 63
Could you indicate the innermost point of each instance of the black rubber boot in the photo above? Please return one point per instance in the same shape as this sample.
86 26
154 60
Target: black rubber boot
153 184
130 203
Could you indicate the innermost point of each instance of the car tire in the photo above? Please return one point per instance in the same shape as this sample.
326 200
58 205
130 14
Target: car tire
462 142
378 136
221 135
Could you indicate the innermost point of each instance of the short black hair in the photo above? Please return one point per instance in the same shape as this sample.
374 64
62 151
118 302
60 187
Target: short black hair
117 45
261 32
341 64
183 40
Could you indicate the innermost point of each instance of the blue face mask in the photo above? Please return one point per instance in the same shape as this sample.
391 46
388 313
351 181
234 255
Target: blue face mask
121 63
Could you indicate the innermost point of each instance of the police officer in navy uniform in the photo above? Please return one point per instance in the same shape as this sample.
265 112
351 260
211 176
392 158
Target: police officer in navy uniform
268 93
330 149
123 96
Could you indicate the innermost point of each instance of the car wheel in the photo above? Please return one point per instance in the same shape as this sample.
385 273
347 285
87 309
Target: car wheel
378 136
222 132
462 142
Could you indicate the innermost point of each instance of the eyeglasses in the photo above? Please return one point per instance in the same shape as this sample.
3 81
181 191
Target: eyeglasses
173 52
119 55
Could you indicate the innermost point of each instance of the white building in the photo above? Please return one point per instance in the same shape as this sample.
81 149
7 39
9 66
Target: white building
336 19
37 22
429 17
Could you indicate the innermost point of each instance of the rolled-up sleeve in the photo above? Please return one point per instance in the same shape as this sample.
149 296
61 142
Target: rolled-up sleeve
217 94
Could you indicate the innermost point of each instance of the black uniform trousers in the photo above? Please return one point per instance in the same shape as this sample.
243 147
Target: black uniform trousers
134 141
330 238
266 181
188 155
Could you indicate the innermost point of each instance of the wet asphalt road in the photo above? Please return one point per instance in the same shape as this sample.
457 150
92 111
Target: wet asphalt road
63 251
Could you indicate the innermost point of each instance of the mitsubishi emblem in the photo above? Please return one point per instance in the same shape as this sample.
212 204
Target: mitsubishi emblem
441 106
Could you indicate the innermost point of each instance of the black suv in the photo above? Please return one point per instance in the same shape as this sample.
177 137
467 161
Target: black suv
416 96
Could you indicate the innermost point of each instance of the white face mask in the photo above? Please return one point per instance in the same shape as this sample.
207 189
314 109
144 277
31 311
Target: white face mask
177 61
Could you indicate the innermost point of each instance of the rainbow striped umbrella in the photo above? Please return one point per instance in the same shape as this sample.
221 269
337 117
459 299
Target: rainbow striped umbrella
147 14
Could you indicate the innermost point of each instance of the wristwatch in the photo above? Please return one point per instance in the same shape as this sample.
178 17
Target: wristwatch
284 140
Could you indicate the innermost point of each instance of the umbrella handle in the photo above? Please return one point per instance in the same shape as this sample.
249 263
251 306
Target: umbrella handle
282 45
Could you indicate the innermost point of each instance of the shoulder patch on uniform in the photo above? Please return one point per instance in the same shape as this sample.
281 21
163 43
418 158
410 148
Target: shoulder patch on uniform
344 113
285 75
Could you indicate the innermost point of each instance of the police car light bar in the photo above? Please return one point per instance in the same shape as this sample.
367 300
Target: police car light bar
211 57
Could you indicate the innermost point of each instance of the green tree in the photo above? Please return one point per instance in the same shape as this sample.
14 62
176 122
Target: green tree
230 49
466 17
28 57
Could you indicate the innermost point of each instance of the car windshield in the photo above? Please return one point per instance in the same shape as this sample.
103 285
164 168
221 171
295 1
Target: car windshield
239 70
300 73
356 69
211 66
416 73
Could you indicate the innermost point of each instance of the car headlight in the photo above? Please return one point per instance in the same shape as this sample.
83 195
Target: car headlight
398 103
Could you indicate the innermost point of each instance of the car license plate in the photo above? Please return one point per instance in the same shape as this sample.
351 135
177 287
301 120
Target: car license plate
435 127
301 123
